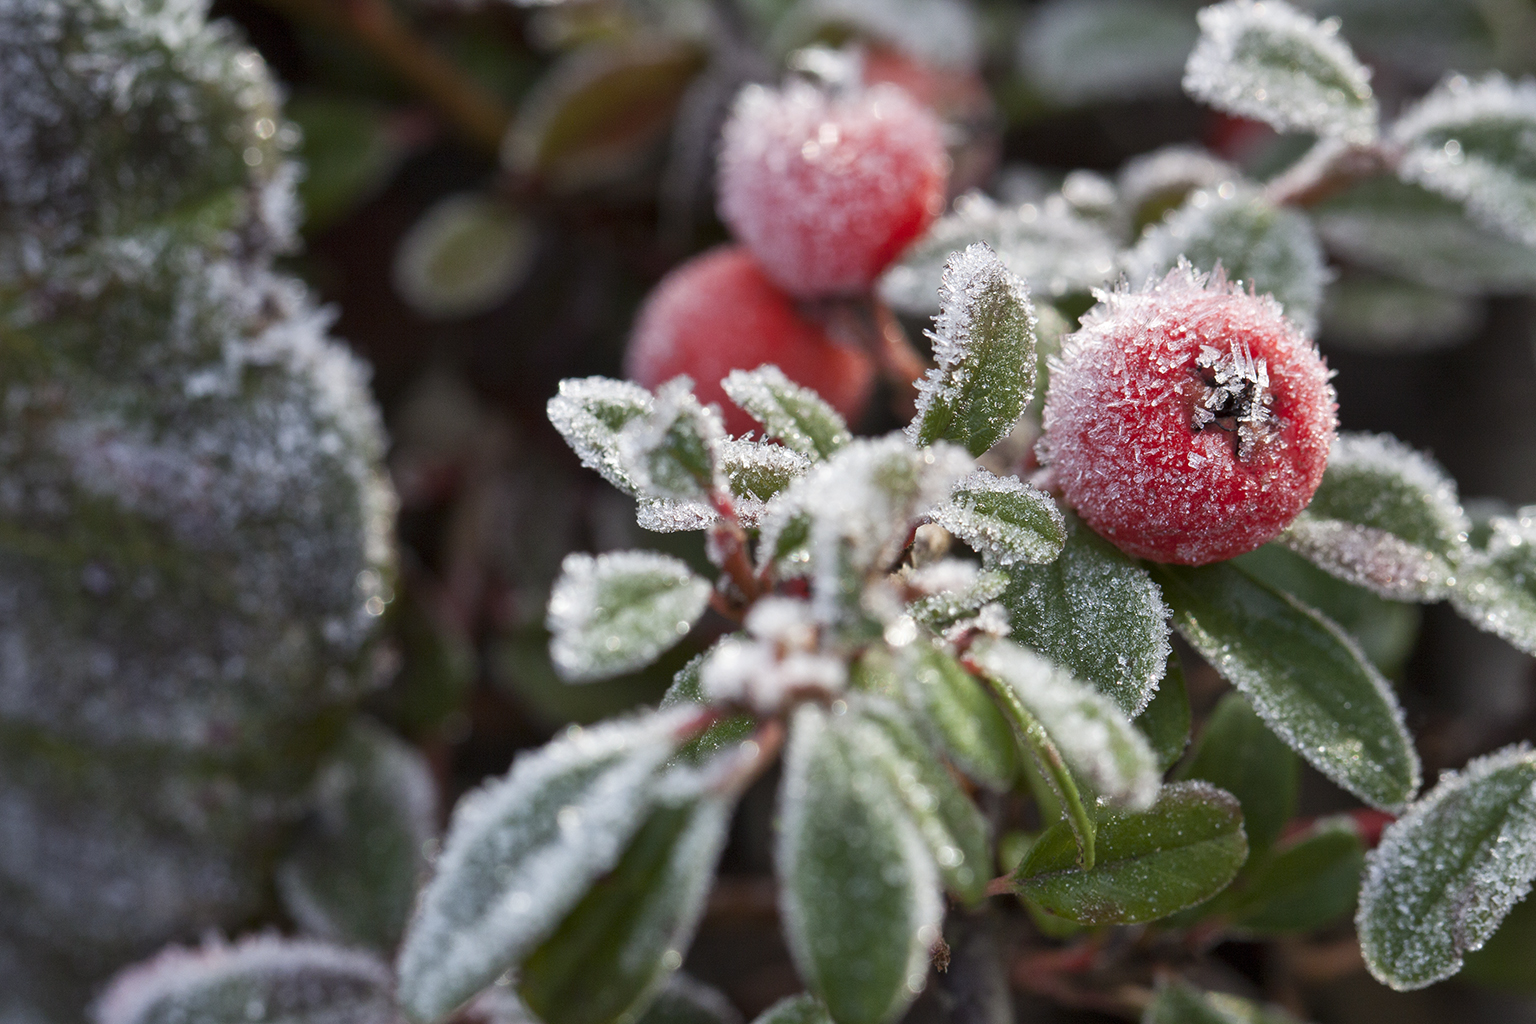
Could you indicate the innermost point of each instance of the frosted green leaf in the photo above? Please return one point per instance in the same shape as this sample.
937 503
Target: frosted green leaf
1410 232
1266 60
1367 313
1448 871
633 927
685 1000
1476 142
953 590
724 733
956 709
1496 584
590 412
260 980
984 345
1084 51
798 416
1504 962
801 1009
1304 676
1097 613
1155 183
352 873
950 824
779 663
1095 738
1165 720
1237 753
1257 243
1179 1003
1004 519
617 612
1184 849
940 33
523 850
464 256
670 452
757 470
1386 518
1047 245
858 888
1308 882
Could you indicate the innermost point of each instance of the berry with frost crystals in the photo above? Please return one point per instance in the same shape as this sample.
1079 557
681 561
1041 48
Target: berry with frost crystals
718 313
1188 422
828 187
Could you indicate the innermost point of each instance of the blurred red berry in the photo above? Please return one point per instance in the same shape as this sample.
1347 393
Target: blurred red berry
1188 422
827 187
718 313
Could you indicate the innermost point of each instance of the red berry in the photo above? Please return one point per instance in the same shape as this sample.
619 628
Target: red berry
1188 422
827 188
718 313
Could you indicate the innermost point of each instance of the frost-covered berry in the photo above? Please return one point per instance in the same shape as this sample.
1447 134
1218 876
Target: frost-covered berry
718 313
828 187
1190 421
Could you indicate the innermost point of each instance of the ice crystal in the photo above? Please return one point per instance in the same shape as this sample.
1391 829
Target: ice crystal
1476 142
1497 586
1266 60
798 416
1004 519
618 611
1448 871
262 980
952 591
671 451
590 412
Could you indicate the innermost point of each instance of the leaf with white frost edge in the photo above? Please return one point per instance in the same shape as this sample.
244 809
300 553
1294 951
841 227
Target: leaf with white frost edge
257 980
686 1000
1476 142
956 710
522 850
1179 1003
1095 738
671 451
1268 61
858 888
798 416
1496 585
618 611
800 1009
1448 871
590 412
1386 518
1004 519
984 345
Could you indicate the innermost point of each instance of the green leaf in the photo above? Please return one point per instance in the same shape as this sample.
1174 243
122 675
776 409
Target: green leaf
1366 312
1410 232
1096 612
523 850
684 1000
635 923
984 344
1303 675
723 734
1476 142
1307 883
1004 519
259 980
589 412
618 611
950 823
670 452
352 873
1448 871
1182 851
798 416
1179 1003
1386 518
960 714
1165 720
1272 63
955 589
1505 960
1238 753
1075 52
348 152
464 256
1496 585
801 1009
858 889
1094 737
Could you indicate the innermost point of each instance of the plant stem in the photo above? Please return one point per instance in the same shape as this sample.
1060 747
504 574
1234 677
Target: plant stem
477 115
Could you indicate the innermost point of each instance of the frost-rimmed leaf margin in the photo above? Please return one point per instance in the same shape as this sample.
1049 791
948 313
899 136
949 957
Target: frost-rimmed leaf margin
618 611
984 345
1177 1002
589 412
521 851
671 452
1004 519
796 415
1496 584
1310 80
1448 871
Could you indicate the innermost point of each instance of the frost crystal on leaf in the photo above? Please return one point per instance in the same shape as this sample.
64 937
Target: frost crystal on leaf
1152 184
590 412
1005 520
1266 60
1496 587
618 611
779 663
796 415
1476 142
1448 871
670 452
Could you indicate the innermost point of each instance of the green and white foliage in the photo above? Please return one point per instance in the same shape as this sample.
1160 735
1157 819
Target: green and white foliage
590 412
1496 585
1004 519
1372 313
1266 60
795 415
944 33
1082 51
618 611
1155 183
1178 1003
464 256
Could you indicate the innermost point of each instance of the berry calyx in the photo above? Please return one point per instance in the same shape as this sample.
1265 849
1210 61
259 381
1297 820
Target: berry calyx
827 187
718 313
1188 422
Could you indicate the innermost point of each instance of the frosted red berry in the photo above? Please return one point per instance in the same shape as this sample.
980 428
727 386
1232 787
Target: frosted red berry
718 313
827 187
1188 422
